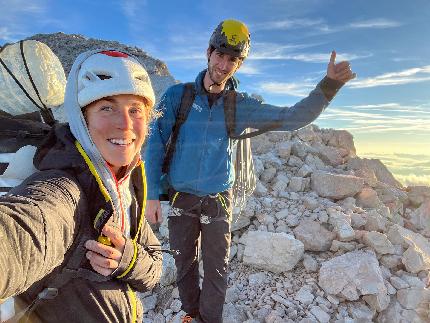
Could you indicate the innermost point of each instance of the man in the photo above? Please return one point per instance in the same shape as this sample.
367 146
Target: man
201 171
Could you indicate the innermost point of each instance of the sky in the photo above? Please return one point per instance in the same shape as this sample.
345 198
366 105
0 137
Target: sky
386 108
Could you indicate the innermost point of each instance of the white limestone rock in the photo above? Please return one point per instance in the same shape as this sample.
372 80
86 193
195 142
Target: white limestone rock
417 255
357 270
368 198
275 252
314 236
420 218
335 186
378 242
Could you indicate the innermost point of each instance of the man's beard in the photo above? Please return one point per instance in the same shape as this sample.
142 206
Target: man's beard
214 77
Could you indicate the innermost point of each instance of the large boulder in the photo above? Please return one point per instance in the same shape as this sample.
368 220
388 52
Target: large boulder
275 252
335 186
351 275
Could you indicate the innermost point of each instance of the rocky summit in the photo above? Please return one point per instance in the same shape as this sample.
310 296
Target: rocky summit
327 236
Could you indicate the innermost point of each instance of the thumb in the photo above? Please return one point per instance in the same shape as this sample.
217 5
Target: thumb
332 57
114 234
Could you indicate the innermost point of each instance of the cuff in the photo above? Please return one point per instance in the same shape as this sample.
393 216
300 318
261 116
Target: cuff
128 259
330 87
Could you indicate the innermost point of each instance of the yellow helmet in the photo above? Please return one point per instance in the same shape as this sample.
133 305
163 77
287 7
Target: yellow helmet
231 37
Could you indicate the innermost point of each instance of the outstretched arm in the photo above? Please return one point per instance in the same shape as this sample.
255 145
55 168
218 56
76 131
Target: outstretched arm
37 226
252 113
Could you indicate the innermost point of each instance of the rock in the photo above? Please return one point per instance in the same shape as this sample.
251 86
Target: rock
378 242
417 255
284 149
382 173
335 186
305 295
358 220
392 314
168 276
295 161
149 303
360 312
418 194
368 198
358 269
233 314
260 189
420 218
329 155
314 236
239 222
378 302
310 203
297 184
310 264
411 298
375 222
320 315
304 171
398 283
268 174
391 261
275 252
342 225
232 294
257 279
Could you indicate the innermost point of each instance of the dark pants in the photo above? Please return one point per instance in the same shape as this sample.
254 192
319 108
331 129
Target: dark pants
210 217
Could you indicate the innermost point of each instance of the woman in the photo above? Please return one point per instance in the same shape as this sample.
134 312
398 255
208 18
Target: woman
56 250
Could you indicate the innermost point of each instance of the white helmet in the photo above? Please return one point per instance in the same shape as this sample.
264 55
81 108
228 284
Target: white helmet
110 73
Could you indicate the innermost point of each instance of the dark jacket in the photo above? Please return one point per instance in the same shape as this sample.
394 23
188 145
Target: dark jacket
40 223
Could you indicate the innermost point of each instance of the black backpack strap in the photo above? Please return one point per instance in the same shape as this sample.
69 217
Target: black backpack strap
44 111
186 102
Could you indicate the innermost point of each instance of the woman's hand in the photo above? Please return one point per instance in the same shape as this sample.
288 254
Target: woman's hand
105 259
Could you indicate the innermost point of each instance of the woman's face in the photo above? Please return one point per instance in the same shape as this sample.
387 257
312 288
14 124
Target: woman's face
118 126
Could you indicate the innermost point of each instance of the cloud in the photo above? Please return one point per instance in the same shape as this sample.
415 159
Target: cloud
286 24
298 89
320 26
249 69
411 75
274 51
414 180
375 23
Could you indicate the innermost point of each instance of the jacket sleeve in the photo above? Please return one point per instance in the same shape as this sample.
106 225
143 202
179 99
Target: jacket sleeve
141 263
160 132
37 226
252 113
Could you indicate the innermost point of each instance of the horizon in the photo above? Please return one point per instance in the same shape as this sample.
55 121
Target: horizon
386 108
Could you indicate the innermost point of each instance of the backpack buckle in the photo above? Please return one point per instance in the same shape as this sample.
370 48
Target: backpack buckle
48 293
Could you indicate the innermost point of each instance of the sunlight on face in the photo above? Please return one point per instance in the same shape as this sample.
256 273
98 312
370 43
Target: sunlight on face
118 126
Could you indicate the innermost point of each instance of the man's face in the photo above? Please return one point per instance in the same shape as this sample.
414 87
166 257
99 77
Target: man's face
118 126
222 66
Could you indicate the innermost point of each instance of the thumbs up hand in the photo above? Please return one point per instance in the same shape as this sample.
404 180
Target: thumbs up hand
339 71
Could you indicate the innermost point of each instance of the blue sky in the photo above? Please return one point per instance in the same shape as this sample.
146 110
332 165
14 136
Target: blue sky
387 108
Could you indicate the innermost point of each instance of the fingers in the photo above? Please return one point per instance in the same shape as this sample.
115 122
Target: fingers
102 250
332 57
115 236
153 211
100 264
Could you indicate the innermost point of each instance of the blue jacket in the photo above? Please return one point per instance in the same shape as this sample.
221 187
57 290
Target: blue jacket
203 160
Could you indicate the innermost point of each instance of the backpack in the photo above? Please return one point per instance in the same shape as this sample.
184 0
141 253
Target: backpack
245 178
32 81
